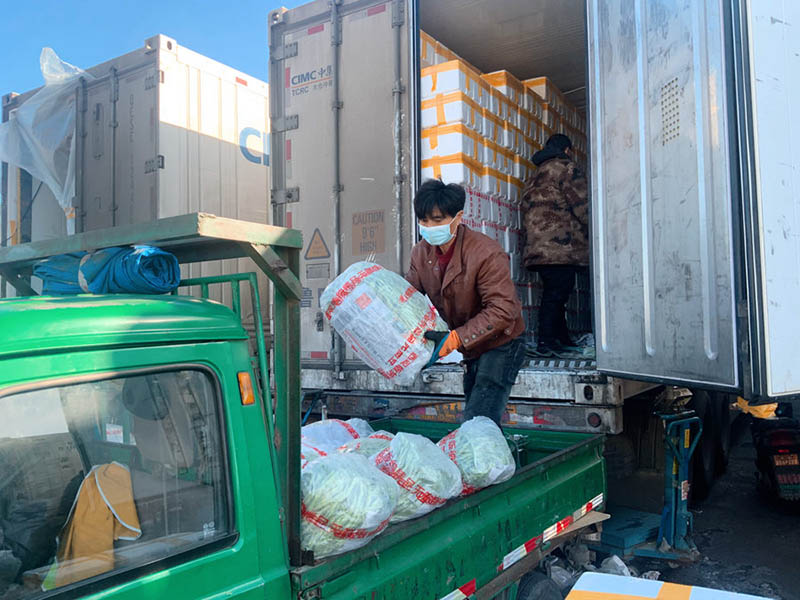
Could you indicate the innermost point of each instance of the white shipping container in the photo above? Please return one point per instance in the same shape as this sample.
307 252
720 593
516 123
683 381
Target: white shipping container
162 131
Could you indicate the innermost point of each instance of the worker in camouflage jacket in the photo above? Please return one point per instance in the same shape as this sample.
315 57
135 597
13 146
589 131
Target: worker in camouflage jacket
556 220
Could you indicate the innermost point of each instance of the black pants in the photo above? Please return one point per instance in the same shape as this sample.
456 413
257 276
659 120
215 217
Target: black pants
489 378
557 284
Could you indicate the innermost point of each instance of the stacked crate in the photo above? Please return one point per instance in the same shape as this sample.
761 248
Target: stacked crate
480 131
559 116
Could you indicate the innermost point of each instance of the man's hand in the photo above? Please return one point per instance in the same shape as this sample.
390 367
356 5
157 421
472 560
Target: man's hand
446 342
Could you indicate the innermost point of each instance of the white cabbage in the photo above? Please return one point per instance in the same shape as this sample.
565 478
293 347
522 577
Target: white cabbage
425 476
481 453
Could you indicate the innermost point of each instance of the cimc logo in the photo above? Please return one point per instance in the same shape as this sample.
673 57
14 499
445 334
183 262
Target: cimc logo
263 138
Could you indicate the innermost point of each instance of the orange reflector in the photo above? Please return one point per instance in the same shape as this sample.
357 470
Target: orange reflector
246 389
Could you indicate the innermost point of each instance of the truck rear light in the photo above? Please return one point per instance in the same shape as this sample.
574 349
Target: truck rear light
246 389
783 437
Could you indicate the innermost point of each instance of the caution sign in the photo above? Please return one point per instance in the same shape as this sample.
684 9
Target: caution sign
317 248
369 233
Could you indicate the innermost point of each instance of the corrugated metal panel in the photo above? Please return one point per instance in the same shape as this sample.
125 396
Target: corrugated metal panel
662 224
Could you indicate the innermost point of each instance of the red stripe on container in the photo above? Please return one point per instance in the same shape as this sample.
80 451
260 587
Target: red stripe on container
288 77
318 354
242 81
316 29
376 10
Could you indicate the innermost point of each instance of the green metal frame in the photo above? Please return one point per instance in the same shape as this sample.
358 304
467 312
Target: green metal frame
200 237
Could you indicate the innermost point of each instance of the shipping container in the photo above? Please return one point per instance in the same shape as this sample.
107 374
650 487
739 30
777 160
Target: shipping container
351 146
162 131
692 168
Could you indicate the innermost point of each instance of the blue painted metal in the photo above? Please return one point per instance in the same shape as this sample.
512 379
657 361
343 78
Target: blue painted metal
632 532
676 520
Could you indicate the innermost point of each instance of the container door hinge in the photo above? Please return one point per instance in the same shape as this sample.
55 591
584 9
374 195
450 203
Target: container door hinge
152 165
285 123
283 52
286 196
114 92
398 13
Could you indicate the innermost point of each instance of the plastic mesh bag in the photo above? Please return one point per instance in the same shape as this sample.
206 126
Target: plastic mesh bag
481 453
383 319
346 502
369 446
308 452
425 476
329 434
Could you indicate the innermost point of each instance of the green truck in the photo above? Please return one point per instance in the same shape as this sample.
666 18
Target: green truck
205 417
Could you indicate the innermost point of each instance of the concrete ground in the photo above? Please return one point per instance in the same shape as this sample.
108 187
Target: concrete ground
749 544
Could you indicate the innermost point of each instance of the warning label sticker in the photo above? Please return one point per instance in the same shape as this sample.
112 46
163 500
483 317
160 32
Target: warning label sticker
369 232
317 248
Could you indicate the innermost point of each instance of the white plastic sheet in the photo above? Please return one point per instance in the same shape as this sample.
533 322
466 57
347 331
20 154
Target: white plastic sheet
309 452
346 503
481 453
330 434
40 135
383 319
424 475
368 446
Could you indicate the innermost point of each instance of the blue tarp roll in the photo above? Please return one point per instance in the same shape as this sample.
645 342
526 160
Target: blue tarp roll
136 270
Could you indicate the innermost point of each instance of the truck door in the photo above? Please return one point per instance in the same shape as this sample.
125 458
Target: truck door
663 218
342 120
768 60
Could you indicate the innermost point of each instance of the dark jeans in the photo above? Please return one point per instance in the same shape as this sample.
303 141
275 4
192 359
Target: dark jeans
489 378
557 284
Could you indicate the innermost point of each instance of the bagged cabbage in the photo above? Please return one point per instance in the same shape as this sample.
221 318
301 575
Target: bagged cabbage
481 453
366 295
368 446
345 503
309 453
425 476
329 434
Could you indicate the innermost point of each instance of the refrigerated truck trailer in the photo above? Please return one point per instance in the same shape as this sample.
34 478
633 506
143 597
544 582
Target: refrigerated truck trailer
160 131
692 168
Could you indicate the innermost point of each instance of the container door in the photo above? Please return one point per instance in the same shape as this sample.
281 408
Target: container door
661 191
342 118
770 97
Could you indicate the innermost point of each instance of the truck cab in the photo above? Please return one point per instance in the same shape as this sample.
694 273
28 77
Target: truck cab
153 385
150 447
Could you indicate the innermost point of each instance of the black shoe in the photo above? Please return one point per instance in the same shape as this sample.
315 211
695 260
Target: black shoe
547 349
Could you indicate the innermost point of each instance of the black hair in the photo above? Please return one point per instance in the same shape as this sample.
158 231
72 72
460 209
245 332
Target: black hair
554 148
434 193
558 141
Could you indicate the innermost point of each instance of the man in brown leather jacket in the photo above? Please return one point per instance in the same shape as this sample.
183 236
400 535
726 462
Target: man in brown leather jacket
467 277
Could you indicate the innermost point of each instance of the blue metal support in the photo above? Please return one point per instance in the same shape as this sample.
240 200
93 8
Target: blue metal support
676 520
632 532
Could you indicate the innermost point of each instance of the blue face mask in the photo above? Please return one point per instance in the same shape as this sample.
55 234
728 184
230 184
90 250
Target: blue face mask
438 235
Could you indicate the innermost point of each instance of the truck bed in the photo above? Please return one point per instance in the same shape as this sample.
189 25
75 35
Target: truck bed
469 541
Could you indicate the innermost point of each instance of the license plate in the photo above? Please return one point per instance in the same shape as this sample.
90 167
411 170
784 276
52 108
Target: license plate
786 460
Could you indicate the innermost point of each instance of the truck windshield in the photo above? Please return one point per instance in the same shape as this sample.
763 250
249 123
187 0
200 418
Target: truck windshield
101 477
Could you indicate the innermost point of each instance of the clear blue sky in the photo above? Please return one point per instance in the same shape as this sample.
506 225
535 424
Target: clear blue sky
87 32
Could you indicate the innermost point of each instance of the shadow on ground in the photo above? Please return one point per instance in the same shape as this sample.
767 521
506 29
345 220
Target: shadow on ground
749 543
